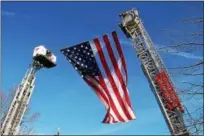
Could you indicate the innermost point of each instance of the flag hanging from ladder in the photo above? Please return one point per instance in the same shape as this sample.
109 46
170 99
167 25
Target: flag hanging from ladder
101 64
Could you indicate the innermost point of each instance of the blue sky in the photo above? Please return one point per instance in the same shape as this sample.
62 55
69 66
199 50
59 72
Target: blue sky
61 96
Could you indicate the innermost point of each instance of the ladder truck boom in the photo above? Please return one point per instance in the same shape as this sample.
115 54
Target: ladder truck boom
41 58
155 71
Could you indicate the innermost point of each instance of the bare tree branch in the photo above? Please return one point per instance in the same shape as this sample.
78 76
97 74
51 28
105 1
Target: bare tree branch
190 66
193 20
196 85
191 74
197 34
190 42
181 44
28 116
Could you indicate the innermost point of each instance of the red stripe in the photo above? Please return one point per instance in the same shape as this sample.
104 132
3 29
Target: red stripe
105 119
105 65
116 68
118 46
102 83
111 103
109 119
97 90
114 121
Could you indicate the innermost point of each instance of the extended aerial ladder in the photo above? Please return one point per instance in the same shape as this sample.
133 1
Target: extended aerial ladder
41 58
155 71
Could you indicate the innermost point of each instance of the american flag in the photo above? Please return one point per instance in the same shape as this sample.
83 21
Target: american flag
101 64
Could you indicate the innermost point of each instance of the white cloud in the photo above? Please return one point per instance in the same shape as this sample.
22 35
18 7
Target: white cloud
7 13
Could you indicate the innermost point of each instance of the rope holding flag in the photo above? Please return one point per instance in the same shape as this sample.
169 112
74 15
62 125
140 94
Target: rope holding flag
101 64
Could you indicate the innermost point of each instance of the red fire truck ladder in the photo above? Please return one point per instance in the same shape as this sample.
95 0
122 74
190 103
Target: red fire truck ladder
155 71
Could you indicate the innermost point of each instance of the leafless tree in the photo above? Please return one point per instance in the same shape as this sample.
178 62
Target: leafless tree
29 117
191 88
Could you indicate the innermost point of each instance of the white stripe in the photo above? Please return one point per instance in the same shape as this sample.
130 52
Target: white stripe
123 74
121 91
107 82
111 120
103 100
111 111
115 77
98 94
106 104
116 80
118 84
117 56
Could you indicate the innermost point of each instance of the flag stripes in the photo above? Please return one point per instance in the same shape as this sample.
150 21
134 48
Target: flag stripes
101 64
114 80
116 68
118 47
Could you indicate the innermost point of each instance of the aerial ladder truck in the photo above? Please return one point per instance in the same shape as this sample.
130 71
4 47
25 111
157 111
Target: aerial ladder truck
155 71
42 58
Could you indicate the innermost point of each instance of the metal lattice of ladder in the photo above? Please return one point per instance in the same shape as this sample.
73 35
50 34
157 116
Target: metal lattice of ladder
152 65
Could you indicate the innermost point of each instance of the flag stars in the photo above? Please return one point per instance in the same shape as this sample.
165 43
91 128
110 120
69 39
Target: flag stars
66 54
82 59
